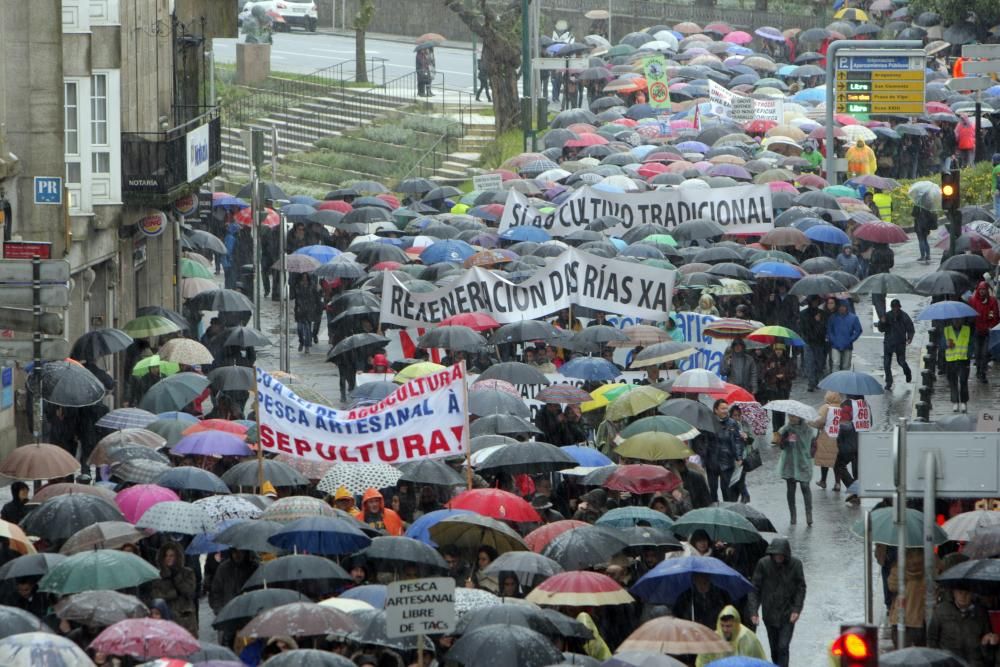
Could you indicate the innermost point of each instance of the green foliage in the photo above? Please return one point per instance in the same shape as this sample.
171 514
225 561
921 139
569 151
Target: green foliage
506 146
976 188
954 11
366 12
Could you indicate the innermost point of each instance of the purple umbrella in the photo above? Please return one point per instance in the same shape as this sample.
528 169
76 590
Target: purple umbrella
730 170
767 32
209 443
693 147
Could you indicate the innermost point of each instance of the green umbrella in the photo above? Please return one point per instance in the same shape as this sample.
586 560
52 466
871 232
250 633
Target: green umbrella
661 424
147 326
99 570
193 269
171 430
720 524
653 446
659 263
174 392
661 239
885 530
142 366
635 402
841 191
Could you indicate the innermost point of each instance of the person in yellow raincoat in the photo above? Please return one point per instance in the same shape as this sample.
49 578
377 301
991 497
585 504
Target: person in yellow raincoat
861 160
596 648
344 500
743 640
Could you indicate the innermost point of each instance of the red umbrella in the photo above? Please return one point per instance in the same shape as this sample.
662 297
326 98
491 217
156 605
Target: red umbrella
216 425
475 321
581 128
759 126
820 133
733 393
642 478
587 139
391 200
812 181
579 589
338 205
145 638
243 216
938 107
880 232
386 266
495 210
651 169
844 119
496 504
540 537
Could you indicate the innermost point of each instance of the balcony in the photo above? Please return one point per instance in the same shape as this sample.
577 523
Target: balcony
161 167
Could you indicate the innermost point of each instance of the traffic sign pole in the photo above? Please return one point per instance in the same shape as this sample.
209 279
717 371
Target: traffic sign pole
36 338
877 68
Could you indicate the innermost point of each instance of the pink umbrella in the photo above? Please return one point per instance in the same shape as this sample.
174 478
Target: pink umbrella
145 638
782 186
651 169
497 385
738 37
627 122
135 500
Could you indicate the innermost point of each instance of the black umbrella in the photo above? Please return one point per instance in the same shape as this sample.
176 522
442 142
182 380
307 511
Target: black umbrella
594 337
366 215
211 652
126 452
415 186
941 283
525 330
883 283
296 569
502 424
277 473
433 472
14 621
242 608
233 378
816 284
267 191
66 383
731 270
752 514
403 551
648 537
505 645
528 457
848 280
527 565
372 631
967 263
698 229
221 300
974 575
485 402
489 440
957 33
568 627
190 478
203 240
442 192
373 391
452 337
99 343
251 535
32 565
341 267
585 547
174 392
507 614
373 253
514 372
818 265
571 116
244 337
920 656
354 344
693 412
59 518
818 199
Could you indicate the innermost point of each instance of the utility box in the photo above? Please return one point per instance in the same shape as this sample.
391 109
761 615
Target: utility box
253 63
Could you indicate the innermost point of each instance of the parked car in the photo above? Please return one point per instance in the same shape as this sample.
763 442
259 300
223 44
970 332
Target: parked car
300 13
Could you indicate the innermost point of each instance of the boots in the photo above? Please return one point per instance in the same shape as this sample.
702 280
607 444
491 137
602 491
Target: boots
809 517
791 512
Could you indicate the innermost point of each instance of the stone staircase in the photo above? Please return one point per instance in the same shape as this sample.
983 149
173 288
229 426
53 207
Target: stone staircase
461 164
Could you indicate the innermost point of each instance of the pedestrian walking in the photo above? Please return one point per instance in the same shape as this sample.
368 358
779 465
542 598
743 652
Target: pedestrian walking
177 586
703 603
308 310
724 454
897 333
780 593
842 330
849 262
987 317
962 627
778 374
847 448
913 600
739 367
795 463
828 425
377 515
861 160
425 71
925 221
965 138
812 328
483 74
227 583
742 639
957 352
882 260
228 261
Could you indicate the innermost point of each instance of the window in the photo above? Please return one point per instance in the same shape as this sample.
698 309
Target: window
92 135
72 132
100 149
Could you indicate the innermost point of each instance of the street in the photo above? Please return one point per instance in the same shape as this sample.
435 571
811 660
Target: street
303 53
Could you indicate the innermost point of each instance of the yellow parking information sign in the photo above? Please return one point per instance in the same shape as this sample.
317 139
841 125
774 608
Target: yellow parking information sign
880 81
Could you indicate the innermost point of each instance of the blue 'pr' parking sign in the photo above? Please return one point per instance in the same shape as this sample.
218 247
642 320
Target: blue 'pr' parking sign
48 189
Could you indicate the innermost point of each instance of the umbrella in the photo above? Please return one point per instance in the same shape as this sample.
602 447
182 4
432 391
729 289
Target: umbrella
145 638
185 351
854 383
525 330
520 615
99 343
420 528
138 471
101 569
15 536
514 372
528 458
539 538
250 535
30 649
630 517
579 589
661 353
653 446
29 565
307 657
280 475
587 456
585 547
176 517
294 508
244 337
148 326
885 531
14 621
880 232
946 310
38 462
294 570
470 531
502 424
174 392
59 518
527 565
941 283
506 645
562 393
675 636
211 443
100 608
135 500
63 488
696 381
672 577
635 402
484 402
325 535
372 626
433 472
123 418
638 479
919 656
222 508
233 378
359 477
975 575
693 412
299 619
403 551
962 526
242 608
792 407
720 524
646 659
883 283
66 383
495 503
222 301
102 535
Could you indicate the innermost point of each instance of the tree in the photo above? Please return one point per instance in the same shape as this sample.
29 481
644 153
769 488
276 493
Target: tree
499 29
363 19
981 13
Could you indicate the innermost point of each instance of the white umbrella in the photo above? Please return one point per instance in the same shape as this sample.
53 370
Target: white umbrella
698 380
854 132
359 477
797 408
961 526
176 516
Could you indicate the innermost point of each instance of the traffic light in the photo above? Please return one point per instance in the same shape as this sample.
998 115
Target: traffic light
951 191
857 646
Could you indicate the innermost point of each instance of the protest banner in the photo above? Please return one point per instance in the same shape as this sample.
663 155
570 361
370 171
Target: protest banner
658 82
743 108
424 419
573 278
740 209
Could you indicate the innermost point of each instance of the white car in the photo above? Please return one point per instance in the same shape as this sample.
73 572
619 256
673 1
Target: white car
300 13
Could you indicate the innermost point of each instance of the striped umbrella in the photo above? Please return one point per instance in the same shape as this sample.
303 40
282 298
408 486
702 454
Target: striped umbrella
562 393
126 418
728 328
775 334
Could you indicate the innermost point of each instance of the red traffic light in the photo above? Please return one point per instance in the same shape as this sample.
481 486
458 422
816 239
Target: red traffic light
857 646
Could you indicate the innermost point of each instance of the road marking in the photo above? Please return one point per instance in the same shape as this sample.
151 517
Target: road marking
305 54
446 71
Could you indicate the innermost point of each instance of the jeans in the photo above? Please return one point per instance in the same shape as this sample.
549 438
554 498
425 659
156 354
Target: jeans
996 205
842 359
807 497
925 247
958 380
780 638
899 351
304 330
815 363
982 348
721 478
966 157
232 274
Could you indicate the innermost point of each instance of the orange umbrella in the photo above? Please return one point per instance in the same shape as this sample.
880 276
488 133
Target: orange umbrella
674 636
19 542
38 462
216 425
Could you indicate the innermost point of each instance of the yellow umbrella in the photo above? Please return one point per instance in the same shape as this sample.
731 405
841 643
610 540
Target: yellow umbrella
417 370
654 446
635 402
852 14
603 395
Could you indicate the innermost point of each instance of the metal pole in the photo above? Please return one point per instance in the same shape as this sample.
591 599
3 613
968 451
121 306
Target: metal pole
283 287
609 21
869 588
930 497
255 232
831 52
475 66
211 78
979 115
178 253
900 441
274 154
526 110
36 343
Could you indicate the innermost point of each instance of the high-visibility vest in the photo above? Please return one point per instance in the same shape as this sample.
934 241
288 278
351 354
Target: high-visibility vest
884 203
957 343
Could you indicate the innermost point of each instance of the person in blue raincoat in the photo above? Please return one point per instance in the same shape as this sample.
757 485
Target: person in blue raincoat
842 329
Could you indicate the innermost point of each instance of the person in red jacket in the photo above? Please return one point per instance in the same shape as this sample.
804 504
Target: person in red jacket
965 134
987 316
377 515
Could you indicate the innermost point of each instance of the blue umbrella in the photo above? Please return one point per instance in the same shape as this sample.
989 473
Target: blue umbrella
851 383
230 201
946 310
324 535
995 340
483 213
693 147
588 456
174 415
420 529
775 270
526 233
672 577
629 517
373 391
321 253
638 111
203 543
810 95
827 234
451 250
594 369
373 594
304 199
740 661
297 212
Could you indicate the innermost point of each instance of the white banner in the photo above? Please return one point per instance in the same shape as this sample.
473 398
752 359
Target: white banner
574 277
743 108
741 209
423 419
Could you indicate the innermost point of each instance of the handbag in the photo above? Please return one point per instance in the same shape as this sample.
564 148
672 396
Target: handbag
751 459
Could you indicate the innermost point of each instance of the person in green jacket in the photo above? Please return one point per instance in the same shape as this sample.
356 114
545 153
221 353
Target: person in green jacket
743 640
814 157
795 464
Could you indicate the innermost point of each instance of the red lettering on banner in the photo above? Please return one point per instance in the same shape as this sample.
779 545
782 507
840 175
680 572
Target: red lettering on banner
266 437
388 451
439 443
413 445
346 457
302 447
283 443
326 452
